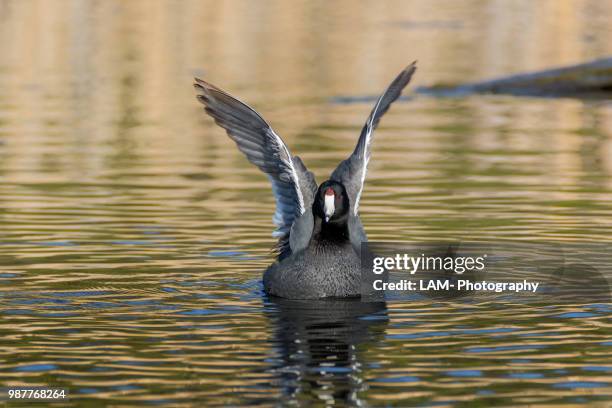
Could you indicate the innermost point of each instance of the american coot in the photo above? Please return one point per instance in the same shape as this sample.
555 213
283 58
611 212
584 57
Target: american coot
319 229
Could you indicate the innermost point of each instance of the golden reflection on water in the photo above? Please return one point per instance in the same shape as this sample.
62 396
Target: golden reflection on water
133 233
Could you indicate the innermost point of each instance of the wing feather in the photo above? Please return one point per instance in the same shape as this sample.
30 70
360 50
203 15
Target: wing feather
292 183
352 171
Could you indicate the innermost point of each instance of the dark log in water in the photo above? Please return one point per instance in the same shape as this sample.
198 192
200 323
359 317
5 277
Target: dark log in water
592 79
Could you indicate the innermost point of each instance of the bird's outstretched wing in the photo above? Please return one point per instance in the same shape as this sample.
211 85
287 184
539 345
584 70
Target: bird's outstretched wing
352 171
292 184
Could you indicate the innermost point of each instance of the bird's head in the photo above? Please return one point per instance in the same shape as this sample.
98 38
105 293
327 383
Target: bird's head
331 203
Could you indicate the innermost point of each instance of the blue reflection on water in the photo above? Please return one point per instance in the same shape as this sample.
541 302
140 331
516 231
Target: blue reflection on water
581 384
464 373
502 348
36 367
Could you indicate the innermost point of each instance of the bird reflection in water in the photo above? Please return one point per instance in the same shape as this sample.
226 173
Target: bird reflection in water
319 343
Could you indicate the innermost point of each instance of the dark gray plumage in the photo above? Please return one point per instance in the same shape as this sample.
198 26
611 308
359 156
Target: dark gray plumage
319 229
352 171
318 271
293 185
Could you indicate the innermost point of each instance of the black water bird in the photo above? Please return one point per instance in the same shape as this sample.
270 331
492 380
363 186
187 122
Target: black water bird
318 227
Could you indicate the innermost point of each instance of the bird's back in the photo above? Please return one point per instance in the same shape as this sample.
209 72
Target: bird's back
323 269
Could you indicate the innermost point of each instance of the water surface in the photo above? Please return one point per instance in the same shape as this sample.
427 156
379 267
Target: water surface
133 233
